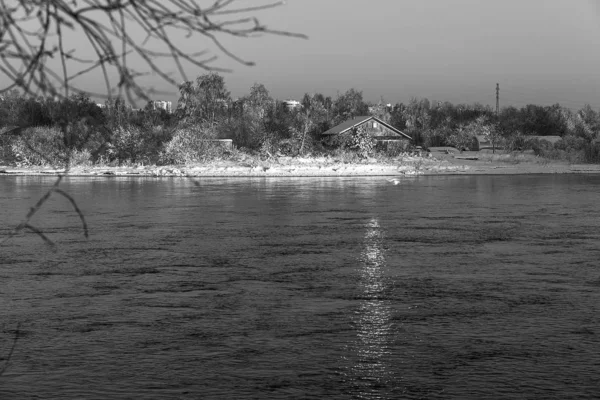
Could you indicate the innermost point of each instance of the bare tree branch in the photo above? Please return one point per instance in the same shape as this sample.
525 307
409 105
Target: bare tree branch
12 349
32 211
32 32
74 204
42 235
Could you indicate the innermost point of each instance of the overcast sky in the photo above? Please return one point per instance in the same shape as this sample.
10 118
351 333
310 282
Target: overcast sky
539 51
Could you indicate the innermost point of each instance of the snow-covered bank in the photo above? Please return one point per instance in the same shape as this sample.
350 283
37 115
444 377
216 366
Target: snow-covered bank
281 166
321 166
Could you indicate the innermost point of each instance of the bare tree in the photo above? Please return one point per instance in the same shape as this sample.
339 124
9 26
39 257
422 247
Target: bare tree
35 56
120 33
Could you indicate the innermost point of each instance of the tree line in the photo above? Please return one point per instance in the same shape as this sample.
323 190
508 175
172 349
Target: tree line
76 130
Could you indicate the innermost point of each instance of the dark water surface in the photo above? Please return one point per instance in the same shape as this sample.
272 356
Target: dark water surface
467 287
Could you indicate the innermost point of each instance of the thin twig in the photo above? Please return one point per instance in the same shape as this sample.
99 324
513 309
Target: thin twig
74 204
42 235
32 211
12 349
24 51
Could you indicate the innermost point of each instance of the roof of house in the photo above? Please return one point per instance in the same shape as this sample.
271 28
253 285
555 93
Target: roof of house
354 122
550 138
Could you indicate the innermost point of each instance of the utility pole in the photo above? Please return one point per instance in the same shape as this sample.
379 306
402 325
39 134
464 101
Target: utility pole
497 100
497 114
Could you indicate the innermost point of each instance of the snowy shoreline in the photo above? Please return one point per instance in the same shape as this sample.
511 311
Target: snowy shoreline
314 167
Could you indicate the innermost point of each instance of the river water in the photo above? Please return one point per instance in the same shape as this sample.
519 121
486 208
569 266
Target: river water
450 287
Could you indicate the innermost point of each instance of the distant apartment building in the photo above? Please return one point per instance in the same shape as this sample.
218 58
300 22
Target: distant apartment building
160 104
292 104
380 107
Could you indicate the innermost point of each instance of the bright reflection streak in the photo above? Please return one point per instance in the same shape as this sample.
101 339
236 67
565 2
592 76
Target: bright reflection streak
372 369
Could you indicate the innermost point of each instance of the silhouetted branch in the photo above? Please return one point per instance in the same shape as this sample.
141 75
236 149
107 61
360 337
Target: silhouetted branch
25 55
68 197
32 211
42 235
34 31
12 349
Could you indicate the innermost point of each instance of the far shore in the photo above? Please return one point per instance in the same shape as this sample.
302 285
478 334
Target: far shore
327 167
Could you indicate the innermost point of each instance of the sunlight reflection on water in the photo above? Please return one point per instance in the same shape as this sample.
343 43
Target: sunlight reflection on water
373 316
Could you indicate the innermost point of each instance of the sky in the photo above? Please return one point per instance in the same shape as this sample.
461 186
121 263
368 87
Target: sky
539 51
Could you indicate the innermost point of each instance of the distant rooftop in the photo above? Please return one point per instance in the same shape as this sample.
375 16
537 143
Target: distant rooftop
356 121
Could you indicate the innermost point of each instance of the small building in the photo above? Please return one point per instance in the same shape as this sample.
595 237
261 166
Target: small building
550 138
484 143
378 129
160 104
292 104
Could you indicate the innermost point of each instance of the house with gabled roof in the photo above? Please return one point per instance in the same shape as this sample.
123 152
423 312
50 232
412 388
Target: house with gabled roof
377 128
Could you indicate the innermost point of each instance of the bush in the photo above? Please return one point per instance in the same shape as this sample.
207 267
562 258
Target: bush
133 144
192 145
570 148
81 158
6 153
289 147
345 156
358 140
518 142
539 147
246 131
126 144
571 143
391 148
592 152
435 137
40 146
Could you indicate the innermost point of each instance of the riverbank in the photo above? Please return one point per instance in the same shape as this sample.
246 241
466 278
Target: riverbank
327 166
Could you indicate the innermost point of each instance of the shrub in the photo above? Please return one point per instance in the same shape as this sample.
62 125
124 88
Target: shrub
570 148
191 145
289 147
132 144
592 152
539 147
81 158
6 153
358 140
435 137
391 148
518 142
461 139
247 131
345 156
126 144
40 146
362 142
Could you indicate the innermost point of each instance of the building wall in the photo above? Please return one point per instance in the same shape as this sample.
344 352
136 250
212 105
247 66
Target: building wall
384 136
292 104
375 129
165 105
